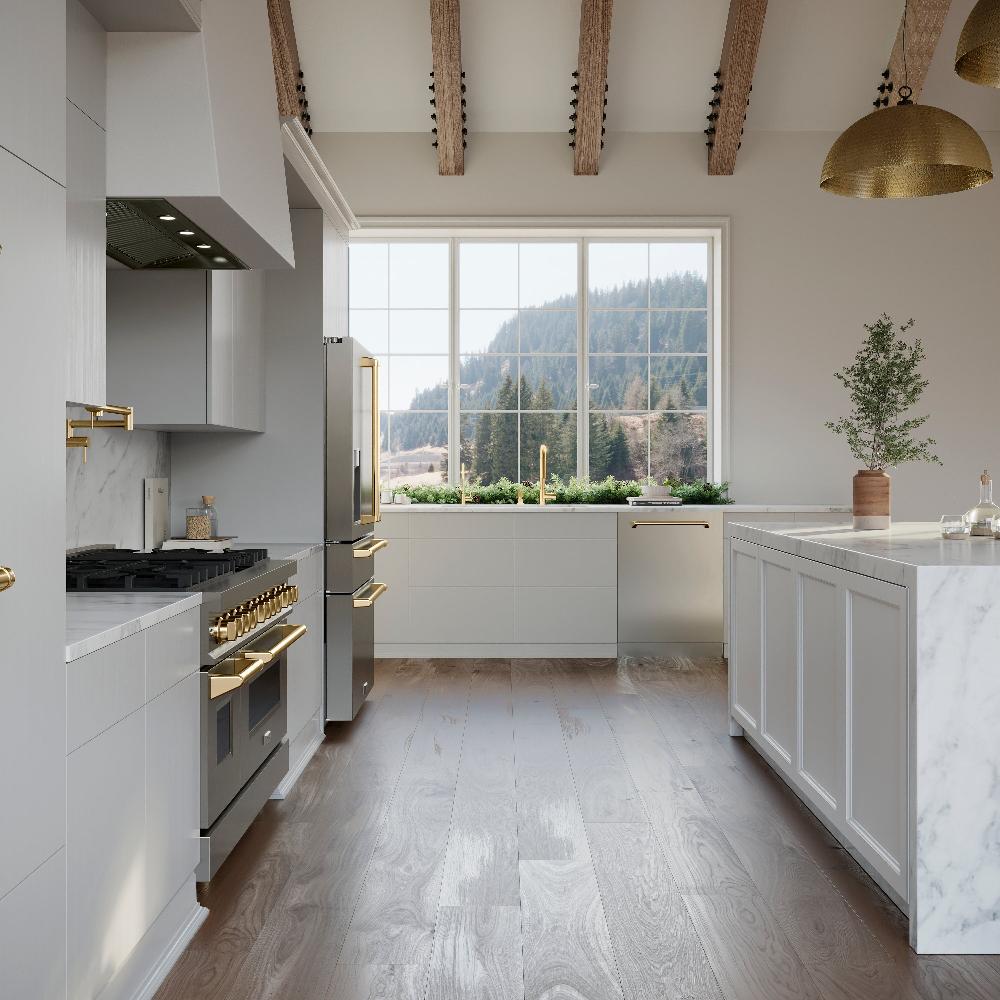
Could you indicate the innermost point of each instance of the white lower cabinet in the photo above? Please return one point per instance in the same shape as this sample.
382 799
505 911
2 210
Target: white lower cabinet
818 681
305 669
173 740
106 853
132 797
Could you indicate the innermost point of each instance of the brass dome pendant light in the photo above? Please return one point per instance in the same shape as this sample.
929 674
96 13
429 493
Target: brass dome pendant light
906 151
977 58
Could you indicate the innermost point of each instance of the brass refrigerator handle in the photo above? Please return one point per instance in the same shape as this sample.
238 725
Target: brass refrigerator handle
370 550
376 514
664 524
219 685
370 596
7 578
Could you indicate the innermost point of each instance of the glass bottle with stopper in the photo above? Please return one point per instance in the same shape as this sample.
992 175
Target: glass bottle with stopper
982 517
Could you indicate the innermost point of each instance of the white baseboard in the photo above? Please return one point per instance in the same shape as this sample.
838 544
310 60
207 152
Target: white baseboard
315 738
501 650
158 950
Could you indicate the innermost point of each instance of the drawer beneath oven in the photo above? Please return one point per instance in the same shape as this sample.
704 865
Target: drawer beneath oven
350 650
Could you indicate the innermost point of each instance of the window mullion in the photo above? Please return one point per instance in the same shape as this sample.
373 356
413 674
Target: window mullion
582 366
454 368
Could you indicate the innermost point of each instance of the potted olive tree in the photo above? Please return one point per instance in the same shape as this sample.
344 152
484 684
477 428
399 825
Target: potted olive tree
883 384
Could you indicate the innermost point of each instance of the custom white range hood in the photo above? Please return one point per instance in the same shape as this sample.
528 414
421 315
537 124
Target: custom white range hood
192 120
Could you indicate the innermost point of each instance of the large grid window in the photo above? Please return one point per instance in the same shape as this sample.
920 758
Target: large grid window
518 360
399 309
605 349
647 355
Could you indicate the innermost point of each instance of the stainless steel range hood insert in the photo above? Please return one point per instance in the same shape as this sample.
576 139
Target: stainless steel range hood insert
149 233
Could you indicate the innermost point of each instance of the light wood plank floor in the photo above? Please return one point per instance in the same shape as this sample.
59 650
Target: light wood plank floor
528 829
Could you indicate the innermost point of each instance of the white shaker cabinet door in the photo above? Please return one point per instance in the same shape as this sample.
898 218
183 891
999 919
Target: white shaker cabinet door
33 83
106 854
33 662
172 792
876 682
745 634
305 665
778 654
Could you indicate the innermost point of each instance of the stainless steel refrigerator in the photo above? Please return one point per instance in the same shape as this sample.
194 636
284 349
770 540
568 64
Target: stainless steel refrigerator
352 510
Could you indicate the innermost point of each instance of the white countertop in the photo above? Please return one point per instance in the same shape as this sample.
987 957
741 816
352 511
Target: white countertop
94 621
886 555
616 508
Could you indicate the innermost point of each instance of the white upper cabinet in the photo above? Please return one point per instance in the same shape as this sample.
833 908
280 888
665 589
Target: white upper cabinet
86 235
184 348
34 85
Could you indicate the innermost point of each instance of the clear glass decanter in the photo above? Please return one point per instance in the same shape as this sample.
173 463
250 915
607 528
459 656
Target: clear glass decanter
982 516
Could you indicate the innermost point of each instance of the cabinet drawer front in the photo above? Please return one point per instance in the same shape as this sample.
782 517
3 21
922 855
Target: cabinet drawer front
103 687
394 524
461 562
173 651
566 524
462 614
464 524
566 614
567 562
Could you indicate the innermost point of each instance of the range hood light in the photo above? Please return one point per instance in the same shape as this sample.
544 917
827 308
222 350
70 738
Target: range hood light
167 218
187 232
204 246
220 260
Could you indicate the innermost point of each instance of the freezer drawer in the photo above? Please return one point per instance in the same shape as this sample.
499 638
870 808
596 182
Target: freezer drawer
349 566
350 650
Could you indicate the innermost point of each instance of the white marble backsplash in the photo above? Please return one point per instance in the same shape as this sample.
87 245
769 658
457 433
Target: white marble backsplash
104 499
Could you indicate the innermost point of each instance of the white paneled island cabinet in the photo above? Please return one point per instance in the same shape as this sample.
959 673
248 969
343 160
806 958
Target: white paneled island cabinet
863 667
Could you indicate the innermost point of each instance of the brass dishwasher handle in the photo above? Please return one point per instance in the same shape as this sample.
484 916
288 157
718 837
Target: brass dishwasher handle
369 551
7 578
654 524
371 595
219 685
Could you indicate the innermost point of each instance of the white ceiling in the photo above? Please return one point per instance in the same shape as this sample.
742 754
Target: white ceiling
367 64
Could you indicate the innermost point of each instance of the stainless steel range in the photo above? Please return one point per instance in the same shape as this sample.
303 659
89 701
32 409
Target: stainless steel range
245 635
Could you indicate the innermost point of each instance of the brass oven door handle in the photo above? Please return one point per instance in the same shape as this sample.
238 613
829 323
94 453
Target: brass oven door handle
368 551
666 524
371 595
7 578
376 515
220 684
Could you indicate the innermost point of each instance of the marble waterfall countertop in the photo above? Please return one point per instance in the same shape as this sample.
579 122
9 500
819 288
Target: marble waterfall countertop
94 621
615 508
893 554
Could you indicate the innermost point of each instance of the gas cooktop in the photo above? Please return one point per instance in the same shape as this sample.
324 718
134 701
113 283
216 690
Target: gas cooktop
178 569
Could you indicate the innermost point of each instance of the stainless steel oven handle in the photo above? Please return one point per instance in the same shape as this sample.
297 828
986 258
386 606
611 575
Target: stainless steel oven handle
220 684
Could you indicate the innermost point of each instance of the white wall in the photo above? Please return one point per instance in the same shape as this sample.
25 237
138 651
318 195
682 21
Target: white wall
807 269
269 487
104 495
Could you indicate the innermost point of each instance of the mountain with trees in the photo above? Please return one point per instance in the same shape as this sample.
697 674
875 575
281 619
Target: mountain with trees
618 443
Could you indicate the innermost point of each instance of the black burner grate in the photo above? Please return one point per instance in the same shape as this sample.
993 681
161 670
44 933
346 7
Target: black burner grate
179 569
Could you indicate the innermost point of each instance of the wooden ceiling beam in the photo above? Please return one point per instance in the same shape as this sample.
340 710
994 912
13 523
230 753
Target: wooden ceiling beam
591 84
446 53
735 79
924 22
285 54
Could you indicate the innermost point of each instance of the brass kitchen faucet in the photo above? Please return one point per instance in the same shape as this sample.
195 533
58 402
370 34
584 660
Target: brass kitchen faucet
543 473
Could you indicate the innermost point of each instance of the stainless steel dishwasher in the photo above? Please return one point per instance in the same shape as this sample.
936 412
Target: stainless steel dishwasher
670 582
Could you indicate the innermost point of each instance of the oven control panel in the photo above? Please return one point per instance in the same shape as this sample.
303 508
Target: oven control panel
246 617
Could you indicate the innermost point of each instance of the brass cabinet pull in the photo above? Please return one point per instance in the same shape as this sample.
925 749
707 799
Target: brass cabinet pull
374 592
665 524
7 578
370 550
220 684
376 515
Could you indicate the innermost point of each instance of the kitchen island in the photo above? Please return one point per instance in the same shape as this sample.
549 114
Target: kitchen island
865 666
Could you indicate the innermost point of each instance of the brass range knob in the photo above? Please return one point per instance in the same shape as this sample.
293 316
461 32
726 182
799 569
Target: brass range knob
7 578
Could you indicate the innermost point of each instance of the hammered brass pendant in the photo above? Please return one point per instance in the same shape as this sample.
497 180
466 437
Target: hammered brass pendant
977 57
906 151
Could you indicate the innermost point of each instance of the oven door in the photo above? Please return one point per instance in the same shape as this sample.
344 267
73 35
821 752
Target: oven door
220 760
243 715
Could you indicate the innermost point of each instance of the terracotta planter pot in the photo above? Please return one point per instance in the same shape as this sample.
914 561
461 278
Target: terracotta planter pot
872 500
